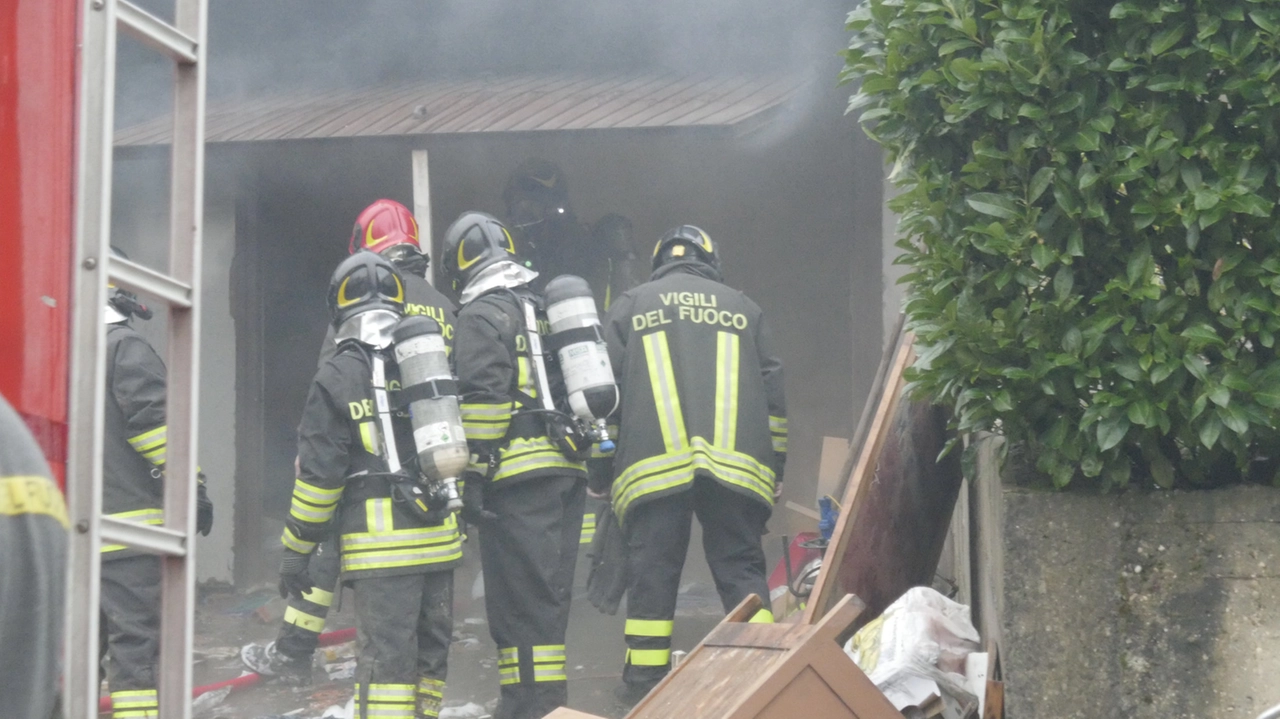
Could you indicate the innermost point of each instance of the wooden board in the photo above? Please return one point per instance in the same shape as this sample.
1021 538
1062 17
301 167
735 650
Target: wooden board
897 506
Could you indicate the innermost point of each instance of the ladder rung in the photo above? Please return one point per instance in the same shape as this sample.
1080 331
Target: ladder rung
156 540
144 279
156 32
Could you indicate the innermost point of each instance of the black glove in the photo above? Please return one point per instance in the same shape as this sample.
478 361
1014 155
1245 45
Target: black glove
293 574
779 461
204 508
473 511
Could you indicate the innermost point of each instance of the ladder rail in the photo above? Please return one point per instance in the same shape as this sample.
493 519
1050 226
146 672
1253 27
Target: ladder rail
183 42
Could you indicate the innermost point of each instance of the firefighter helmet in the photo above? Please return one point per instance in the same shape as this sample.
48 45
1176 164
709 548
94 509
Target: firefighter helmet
383 225
536 191
363 282
473 242
678 243
122 304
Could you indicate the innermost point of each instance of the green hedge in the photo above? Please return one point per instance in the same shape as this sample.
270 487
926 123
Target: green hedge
1088 211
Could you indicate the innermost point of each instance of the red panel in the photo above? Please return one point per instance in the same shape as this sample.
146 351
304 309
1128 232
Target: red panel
37 160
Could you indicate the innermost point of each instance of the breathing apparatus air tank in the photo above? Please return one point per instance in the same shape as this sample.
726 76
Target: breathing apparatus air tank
584 358
431 393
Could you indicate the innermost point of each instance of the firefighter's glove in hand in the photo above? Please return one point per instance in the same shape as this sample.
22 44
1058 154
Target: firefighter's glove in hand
293 574
473 511
204 509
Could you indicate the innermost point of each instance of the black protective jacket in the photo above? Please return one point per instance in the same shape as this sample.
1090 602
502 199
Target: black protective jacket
701 389
33 538
420 298
340 443
496 380
135 436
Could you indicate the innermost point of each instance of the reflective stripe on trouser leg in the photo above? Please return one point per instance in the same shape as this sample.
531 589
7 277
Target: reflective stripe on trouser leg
508 665
548 663
135 704
385 701
430 697
649 642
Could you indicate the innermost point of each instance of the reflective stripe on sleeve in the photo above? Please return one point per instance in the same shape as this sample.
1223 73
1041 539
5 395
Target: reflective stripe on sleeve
778 433
369 438
32 494
153 517
319 597
296 543
485 421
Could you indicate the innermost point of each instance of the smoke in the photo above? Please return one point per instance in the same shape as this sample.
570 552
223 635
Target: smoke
264 48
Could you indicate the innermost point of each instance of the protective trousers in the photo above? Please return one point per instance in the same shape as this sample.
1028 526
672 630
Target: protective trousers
657 535
304 618
403 627
528 555
130 633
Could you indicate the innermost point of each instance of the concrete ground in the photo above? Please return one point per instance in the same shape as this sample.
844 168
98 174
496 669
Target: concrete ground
226 620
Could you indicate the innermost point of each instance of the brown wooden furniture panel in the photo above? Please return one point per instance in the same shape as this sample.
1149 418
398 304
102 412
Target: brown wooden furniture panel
769 671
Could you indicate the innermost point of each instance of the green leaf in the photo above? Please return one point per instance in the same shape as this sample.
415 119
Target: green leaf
1034 112
1042 255
951 46
1196 365
1202 335
1220 396
1191 176
1161 470
1267 397
1167 38
1142 413
1063 281
1039 183
1071 341
1075 243
1266 23
1234 419
989 203
1206 199
1111 431
1210 430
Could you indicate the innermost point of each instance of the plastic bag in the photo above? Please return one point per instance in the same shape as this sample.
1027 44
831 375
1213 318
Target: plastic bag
922 636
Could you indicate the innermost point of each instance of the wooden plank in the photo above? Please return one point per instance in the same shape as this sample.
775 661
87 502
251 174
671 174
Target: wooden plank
859 482
859 438
993 705
832 470
759 636
567 713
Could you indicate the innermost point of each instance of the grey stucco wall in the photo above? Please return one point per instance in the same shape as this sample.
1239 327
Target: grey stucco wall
1134 605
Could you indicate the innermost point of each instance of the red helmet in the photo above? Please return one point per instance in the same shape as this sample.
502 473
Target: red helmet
382 225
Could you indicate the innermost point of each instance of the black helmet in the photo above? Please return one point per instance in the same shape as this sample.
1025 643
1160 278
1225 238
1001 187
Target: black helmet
684 243
473 242
364 281
535 192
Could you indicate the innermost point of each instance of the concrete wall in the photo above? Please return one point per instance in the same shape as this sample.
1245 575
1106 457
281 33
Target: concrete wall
140 226
1137 605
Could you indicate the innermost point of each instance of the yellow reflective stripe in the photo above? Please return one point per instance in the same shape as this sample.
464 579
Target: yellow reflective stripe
764 616
665 395
485 421
649 627
369 437
588 536
524 378
134 698
318 596
482 410
315 495
648 657
150 713
588 528
726 421
509 675
377 515
153 517
548 653
528 454
777 425
294 542
302 511
157 456
399 537
508 655
298 618
150 439
655 474
402 558
432 687
391 692
32 494
549 673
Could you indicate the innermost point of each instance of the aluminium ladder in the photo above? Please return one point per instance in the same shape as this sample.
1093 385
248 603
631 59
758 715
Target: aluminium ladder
184 43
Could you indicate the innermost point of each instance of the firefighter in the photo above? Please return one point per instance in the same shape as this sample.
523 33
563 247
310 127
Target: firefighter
33 533
389 229
556 243
400 563
521 489
133 457
702 431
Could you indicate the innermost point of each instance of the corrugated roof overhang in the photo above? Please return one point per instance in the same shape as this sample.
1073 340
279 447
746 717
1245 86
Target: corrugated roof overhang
523 103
